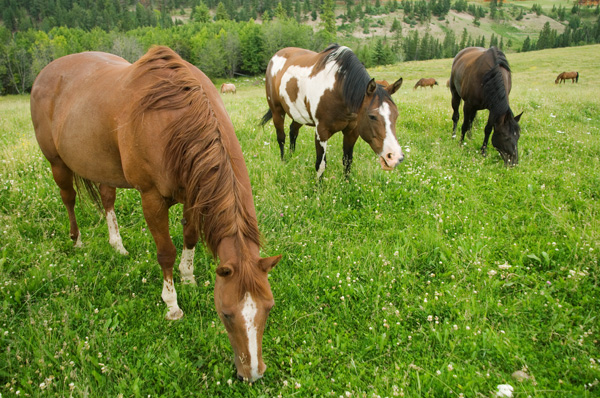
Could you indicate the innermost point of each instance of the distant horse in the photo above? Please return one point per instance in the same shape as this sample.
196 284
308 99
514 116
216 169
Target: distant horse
332 91
574 76
384 83
159 126
228 88
426 82
481 77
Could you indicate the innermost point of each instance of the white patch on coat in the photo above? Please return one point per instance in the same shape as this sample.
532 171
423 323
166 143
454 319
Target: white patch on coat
390 143
323 163
114 238
186 266
78 242
277 63
249 314
169 296
310 89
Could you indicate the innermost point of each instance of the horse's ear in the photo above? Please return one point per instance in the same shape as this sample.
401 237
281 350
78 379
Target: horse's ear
267 264
518 117
224 270
371 87
392 88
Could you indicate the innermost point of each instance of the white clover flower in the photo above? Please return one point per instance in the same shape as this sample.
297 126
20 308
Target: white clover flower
505 391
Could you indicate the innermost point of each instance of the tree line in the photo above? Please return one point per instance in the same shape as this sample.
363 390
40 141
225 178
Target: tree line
223 46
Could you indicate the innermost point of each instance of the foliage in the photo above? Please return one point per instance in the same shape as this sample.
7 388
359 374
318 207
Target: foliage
438 279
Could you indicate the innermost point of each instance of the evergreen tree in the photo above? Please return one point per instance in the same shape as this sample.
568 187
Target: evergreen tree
221 13
328 18
201 13
526 45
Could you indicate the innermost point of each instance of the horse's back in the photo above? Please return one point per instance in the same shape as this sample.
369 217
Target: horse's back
468 68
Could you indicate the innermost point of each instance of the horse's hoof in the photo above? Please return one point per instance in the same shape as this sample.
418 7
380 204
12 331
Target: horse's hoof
174 314
189 281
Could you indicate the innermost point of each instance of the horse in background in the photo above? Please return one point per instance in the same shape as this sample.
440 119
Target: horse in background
384 83
426 82
332 91
482 78
228 88
574 76
160 126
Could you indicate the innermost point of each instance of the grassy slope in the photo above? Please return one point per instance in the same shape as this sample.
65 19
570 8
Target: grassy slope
391 283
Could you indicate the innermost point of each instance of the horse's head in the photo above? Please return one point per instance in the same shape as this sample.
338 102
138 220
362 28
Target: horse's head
506 136
243 300
376 123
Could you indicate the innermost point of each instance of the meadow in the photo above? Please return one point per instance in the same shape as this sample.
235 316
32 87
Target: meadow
439 279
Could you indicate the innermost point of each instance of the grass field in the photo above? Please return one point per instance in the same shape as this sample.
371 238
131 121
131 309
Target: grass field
439 279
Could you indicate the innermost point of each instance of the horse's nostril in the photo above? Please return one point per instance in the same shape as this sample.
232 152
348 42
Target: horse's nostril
390 156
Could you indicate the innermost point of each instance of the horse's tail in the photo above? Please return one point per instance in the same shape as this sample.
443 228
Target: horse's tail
265 119
92 190
577 77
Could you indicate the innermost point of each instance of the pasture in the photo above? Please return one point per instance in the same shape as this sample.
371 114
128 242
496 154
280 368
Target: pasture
439 279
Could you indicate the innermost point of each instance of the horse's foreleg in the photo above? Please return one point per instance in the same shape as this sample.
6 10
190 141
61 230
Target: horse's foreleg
190 238
63 176
349 141
108 195
487 131
294 129
156 213
321 148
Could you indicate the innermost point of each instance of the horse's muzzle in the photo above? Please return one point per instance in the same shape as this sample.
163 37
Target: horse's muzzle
390 161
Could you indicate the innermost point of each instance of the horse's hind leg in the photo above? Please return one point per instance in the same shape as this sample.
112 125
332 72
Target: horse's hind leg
455 113
156 213
63 176
108 195
294 129
190 238
278 120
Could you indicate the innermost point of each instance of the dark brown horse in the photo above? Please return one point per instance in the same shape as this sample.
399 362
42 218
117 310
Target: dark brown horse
426 82
574 76
159 126
481 77
332 91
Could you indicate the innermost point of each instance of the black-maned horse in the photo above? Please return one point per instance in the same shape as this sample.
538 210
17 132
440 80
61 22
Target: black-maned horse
481 78
332 91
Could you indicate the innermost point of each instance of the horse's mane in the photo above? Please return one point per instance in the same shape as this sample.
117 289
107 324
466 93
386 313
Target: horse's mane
496 97
197 156
355 78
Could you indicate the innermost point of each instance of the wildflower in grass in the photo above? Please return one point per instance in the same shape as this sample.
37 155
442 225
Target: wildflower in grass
505 391
450 367
297 385
504 266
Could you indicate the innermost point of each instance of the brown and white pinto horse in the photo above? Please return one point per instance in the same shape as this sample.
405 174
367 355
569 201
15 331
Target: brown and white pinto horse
574 76
228 88
481 78
159 126
332 91
426 82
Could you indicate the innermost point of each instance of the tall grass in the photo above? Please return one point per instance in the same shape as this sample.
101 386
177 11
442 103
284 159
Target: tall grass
441 278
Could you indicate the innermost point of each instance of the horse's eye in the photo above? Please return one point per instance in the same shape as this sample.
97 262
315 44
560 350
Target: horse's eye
373 117
227 316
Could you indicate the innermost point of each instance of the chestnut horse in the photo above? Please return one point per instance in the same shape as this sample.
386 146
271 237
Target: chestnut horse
332 91
426 82
574 76
228 88
159 126
481 77
384 83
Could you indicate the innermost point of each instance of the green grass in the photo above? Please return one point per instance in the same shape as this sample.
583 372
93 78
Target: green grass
438 279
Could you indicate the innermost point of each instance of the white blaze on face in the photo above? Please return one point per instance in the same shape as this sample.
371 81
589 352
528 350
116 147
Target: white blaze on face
390 143
249 311
114 238
277 63
310 89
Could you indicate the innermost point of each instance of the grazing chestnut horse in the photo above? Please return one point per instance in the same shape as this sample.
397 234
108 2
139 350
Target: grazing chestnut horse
228 88
426 82
574 76
481 77
332 91
159 126
384 83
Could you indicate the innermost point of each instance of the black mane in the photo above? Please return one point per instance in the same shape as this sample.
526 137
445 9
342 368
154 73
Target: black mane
496 97
355 78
